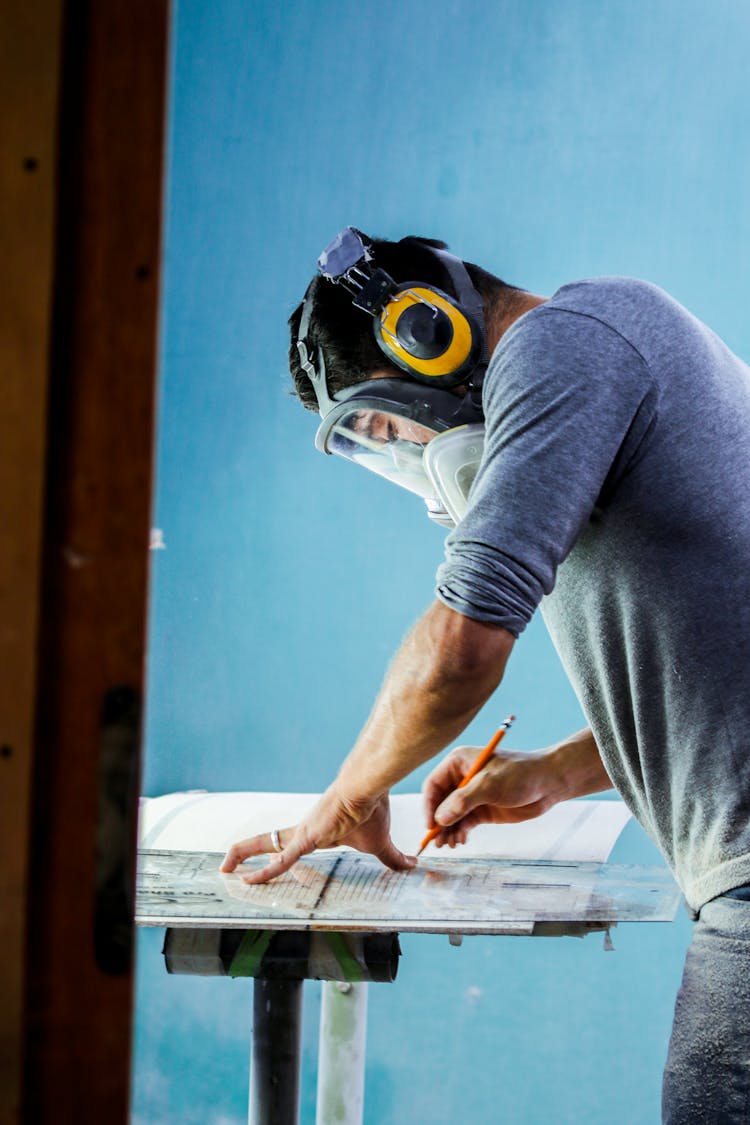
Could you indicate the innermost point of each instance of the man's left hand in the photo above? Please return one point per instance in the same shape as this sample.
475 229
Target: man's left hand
334 821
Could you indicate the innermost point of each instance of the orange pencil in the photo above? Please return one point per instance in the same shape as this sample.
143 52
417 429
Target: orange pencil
480 763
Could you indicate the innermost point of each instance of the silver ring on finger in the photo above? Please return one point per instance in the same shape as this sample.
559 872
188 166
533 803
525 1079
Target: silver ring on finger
275 842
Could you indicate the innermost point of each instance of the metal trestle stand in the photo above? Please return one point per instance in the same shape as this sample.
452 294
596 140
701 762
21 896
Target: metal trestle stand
280 961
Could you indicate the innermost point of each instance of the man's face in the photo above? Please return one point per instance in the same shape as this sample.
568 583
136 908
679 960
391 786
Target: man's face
373 429
383 441
384 427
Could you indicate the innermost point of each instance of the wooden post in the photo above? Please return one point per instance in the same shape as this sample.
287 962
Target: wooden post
76 450
29 64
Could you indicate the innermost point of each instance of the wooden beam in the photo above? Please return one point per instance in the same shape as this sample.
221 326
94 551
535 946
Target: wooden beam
95 554
30 37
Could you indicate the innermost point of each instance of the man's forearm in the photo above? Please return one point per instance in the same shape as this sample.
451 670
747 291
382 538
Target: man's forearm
444 672
578 766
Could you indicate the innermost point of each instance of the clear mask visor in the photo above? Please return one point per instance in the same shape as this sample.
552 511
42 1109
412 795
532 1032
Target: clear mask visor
384 442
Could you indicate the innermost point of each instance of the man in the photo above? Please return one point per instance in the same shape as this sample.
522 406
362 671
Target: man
614 489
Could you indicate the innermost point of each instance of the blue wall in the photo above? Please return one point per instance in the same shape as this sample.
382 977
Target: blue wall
547 141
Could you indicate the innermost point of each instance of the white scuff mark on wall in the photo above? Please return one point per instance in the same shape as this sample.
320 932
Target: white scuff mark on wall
156 542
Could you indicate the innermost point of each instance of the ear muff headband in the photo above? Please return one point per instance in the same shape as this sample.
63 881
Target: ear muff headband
455 356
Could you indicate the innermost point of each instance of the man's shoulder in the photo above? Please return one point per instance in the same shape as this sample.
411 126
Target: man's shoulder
582 313
606 298
587 329
599 313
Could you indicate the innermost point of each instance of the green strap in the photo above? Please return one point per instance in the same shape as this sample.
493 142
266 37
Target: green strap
250 953
350 966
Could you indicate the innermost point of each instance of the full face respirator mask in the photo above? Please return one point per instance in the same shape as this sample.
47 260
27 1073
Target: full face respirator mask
424 432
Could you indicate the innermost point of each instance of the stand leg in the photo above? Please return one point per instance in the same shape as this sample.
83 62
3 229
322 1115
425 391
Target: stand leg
275 1058
341 1059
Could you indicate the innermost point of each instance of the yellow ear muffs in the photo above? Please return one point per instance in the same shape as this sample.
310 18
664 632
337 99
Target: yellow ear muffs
423 331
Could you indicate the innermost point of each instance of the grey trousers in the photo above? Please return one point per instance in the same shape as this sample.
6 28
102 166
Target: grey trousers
707 1076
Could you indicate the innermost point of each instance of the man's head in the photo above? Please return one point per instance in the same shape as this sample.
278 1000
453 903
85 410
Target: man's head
391 344
343 334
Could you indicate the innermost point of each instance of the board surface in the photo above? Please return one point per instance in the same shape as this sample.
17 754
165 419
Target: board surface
343 890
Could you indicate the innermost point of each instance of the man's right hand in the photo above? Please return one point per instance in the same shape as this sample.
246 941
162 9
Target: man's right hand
512 787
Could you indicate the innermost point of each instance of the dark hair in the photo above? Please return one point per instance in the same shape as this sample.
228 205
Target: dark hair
344 333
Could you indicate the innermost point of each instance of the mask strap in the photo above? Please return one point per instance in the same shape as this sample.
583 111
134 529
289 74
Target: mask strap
314 369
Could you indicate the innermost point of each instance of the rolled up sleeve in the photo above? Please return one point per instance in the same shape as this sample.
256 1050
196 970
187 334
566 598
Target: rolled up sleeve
567 403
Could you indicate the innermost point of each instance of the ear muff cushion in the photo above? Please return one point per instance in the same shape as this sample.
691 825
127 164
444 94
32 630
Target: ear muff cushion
460 350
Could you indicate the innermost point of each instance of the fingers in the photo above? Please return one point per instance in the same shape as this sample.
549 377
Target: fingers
390 855
281 862
461 802
254 845
444 779
297 847
452 837
458 833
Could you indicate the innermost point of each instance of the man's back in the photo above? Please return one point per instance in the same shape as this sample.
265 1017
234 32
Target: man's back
616 481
